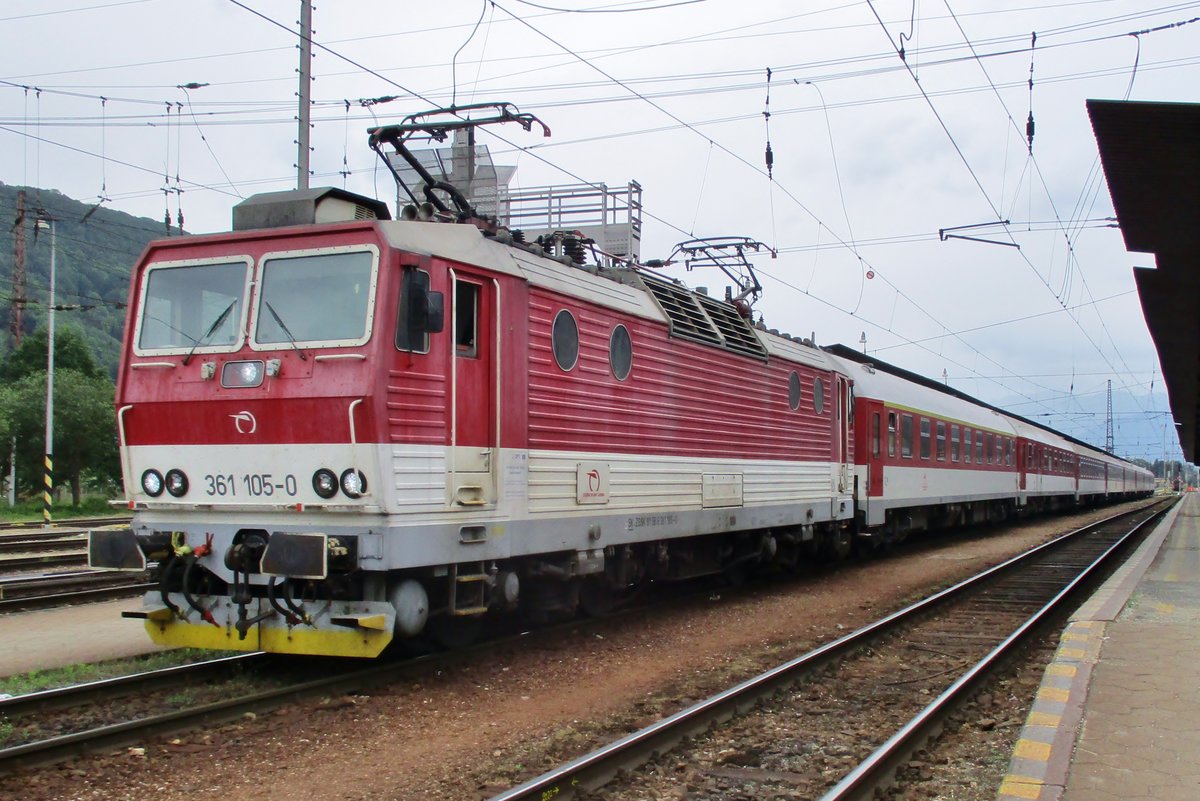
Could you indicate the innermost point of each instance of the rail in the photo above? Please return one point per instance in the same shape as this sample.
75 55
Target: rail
595 769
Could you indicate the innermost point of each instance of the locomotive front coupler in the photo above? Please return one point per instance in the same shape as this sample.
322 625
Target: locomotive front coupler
242 597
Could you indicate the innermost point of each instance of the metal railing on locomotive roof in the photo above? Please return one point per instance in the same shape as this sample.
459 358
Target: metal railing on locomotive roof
462 183
463 175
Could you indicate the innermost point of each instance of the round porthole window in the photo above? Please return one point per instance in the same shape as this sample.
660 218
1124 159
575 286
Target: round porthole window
620 353
818 395
565 336
794 391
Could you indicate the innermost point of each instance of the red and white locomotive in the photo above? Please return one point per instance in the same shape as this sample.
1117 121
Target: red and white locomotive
338 429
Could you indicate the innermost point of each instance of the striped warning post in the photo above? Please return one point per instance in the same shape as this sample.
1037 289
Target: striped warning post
47 489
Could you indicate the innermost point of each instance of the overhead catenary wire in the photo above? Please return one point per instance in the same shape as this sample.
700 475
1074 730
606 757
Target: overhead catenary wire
522 150
1070 244
975 178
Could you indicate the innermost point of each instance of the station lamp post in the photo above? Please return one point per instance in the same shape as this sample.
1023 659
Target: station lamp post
46 221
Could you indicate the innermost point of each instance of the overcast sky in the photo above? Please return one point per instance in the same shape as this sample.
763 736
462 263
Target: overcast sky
872 155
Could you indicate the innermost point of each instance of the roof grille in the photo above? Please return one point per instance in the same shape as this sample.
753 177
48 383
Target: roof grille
688 320
703 319
735 329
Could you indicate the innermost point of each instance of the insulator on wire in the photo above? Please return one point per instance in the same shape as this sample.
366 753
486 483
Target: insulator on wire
770 161
1029 131
167 219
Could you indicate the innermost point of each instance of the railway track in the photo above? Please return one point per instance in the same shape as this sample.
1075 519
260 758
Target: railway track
43 560
26 544
86 731
336 678
787 733
23 593
81 523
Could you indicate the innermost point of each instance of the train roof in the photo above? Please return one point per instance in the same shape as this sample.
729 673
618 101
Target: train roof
850 354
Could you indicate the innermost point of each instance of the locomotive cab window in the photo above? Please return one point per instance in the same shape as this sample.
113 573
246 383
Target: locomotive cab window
188 307
319 297
466 319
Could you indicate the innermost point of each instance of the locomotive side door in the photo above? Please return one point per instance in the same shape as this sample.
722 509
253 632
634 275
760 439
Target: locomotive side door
473 387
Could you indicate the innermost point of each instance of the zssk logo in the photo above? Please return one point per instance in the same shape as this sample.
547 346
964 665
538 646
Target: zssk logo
593 477
244 422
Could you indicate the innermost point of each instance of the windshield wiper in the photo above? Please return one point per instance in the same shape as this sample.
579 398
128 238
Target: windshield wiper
291 338
211 330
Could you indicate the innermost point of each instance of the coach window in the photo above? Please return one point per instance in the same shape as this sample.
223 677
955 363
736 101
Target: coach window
1008 452
620 353
794 391
875 433
979 435
941 441
966 446
565 340
466 318
924 437
818 395
954 443
906 432
891 434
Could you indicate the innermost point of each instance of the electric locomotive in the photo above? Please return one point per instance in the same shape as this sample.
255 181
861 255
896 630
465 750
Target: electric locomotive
338 429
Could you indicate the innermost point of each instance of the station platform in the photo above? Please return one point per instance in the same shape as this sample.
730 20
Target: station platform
1117 716
66 636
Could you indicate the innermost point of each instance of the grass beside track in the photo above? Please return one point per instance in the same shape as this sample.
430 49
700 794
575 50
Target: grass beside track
31 510
34 681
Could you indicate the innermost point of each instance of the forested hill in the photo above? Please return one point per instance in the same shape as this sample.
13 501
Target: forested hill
95 257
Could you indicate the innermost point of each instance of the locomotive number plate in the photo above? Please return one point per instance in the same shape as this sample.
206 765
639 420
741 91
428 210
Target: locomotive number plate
250 485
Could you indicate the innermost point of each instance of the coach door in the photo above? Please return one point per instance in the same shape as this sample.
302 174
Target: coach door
844 412
1024 459
473 387
877 423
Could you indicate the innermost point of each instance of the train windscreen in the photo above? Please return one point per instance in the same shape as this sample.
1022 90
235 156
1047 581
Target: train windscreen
192 306
315 298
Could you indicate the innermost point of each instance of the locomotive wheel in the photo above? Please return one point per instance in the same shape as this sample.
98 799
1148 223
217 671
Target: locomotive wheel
597 598
837 545
453 632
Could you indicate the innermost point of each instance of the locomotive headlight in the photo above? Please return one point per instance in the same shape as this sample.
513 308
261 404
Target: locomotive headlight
325 483
354 483
177 482
152 483
242 375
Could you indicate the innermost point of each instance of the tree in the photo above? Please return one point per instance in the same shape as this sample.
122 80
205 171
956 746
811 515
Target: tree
70 353
85 434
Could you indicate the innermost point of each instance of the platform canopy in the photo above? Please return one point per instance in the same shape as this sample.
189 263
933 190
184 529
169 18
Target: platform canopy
1151 158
